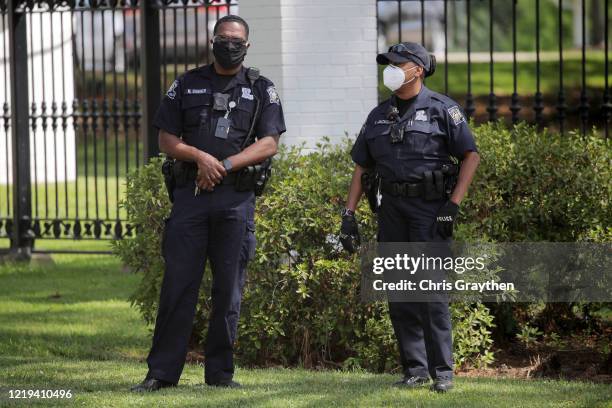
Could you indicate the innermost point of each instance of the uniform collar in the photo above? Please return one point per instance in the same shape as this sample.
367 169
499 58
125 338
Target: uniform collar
240 78
423 98
422 101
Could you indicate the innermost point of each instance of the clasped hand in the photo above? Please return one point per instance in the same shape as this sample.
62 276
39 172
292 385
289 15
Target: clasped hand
210 171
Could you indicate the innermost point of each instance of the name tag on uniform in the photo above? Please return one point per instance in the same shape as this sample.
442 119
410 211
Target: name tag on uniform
383 122
246 94
199 91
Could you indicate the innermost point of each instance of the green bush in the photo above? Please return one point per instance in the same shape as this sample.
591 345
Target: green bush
302 305
471 334
539 186
147 205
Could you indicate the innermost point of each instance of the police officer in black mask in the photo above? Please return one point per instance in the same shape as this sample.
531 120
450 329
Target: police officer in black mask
417 157
221 124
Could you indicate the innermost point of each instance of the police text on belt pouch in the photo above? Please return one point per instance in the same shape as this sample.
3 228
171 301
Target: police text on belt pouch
219 125
414 159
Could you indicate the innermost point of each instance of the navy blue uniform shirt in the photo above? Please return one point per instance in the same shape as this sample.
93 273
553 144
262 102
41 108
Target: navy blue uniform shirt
187 110
435 129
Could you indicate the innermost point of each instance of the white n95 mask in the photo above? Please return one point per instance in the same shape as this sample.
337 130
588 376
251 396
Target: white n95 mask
393 77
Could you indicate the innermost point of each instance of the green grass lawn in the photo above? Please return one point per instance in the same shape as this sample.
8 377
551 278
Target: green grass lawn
68 325
97 198
99 187
88 197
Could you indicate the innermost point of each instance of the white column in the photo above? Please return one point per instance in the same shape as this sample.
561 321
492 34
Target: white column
321 55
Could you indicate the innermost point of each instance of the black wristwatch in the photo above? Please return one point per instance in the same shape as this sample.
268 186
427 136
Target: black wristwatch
227 165
347 212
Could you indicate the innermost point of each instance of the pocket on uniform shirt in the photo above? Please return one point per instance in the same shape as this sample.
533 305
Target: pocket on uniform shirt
193 106
422 140
415 135
240 118
379 142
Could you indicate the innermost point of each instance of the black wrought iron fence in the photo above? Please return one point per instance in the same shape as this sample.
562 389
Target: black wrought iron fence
81 78
543 61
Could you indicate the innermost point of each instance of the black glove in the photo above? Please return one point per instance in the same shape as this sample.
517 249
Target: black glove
349 232
446 218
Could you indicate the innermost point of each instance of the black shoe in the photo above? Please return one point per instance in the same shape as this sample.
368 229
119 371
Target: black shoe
226 384
442 385
412 382
151 384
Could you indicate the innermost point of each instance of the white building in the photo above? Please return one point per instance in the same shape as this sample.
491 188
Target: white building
321 56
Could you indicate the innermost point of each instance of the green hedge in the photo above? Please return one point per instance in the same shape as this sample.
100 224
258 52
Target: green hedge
539 186
301 303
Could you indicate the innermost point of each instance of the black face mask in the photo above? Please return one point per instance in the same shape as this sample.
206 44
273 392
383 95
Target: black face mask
229 54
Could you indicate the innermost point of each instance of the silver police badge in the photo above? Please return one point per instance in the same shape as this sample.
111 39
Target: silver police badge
456 115
274 98
421 115
246 94
172 90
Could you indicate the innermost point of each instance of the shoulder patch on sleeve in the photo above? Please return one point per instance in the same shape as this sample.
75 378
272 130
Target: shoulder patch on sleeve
456 115
171 93
274 98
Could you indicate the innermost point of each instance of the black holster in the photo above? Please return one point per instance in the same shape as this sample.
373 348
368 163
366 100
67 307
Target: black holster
439 184
255 177
184 172
167 170
451 174
369 183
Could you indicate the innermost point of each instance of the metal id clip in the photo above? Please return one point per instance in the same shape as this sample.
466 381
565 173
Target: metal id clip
223 124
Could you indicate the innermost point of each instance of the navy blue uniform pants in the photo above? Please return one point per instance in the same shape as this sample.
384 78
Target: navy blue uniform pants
215 226
423 330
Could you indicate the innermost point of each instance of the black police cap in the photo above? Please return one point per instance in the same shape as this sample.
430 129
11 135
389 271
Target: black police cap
408 51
